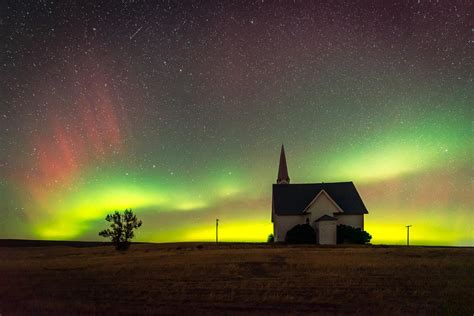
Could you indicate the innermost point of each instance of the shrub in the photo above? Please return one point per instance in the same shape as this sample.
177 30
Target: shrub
270 238
121 228
301 234
350 235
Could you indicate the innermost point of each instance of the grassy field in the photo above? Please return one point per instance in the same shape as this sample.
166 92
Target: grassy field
236 278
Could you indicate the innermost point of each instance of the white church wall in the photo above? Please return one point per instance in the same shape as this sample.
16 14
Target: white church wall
282 224
322 206
327 232
356 221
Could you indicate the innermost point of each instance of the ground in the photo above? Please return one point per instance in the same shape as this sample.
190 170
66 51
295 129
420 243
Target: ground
236 278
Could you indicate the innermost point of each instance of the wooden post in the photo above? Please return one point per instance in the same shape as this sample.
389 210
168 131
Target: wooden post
217 230
408 234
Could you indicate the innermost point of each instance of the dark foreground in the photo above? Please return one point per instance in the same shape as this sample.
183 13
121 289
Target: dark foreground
236 278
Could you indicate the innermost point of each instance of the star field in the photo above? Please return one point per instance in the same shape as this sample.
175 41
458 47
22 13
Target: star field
178 110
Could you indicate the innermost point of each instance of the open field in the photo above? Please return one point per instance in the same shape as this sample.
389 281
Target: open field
237 278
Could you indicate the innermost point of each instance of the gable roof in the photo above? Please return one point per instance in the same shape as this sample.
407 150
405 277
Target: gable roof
326 218
317 197
292 199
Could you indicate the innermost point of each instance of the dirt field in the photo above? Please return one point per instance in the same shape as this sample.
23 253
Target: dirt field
237 279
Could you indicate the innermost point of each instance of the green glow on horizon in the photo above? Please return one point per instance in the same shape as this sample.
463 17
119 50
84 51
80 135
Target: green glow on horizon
381 158
247 231
70 216
398 151
230 230
72 210
421 233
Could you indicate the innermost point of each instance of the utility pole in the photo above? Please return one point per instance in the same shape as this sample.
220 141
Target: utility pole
217 230
408 234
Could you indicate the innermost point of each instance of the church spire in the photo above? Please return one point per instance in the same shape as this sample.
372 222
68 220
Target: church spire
283 177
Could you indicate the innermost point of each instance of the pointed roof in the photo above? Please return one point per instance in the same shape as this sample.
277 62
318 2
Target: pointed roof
292 199
326 218
283 169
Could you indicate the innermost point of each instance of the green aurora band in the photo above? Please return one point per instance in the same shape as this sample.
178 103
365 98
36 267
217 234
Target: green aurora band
397 173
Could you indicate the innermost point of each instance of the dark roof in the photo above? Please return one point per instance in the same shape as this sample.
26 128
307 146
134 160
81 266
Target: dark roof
282 168
326 218
292 199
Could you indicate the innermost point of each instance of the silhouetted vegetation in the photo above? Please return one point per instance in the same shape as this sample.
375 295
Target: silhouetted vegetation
301 234
121 228
350 235
270 238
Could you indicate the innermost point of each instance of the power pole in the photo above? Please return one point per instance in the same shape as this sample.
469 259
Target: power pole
217 230
408 234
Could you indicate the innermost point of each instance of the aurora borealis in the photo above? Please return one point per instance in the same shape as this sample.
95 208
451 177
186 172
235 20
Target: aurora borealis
178 111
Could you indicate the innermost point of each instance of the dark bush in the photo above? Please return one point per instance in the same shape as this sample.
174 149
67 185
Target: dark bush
301 234
270 238
350 235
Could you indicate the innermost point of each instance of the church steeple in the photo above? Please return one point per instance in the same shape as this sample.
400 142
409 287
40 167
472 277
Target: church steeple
283 177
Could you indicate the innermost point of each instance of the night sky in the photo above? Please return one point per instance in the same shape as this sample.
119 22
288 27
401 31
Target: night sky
178 109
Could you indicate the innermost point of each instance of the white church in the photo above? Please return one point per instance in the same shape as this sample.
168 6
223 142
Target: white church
321 205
